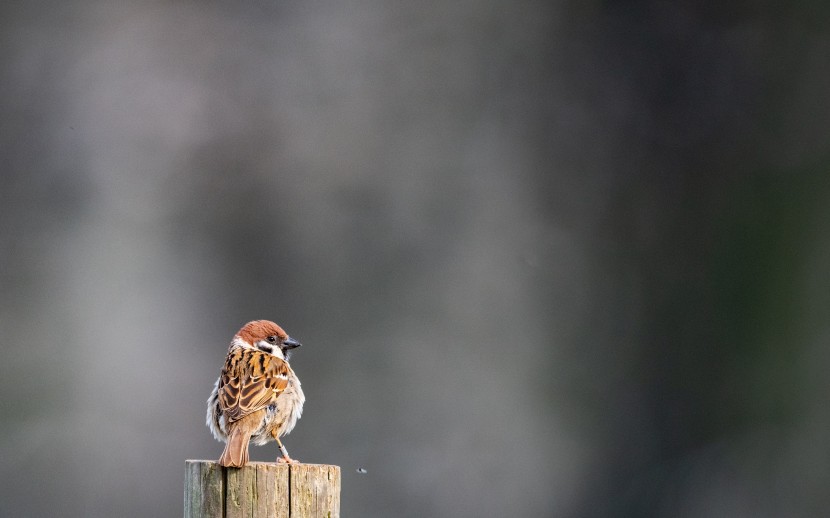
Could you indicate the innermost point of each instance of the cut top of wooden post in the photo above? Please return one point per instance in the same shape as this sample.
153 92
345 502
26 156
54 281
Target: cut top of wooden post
261 490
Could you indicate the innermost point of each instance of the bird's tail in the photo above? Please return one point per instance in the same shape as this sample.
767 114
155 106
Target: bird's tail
236 450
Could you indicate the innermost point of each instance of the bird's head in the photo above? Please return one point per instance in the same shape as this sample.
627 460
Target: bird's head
265 336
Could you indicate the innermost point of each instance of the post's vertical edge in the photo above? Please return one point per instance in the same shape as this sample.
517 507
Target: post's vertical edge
203 489
315 491
327 488
190 509
334 502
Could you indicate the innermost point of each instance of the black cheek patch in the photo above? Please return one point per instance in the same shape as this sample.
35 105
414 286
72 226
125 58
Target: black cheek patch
265 348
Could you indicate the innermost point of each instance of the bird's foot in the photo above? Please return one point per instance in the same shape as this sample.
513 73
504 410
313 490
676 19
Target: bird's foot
287 460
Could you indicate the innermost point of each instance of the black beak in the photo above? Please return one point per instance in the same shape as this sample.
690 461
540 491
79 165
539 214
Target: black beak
290 343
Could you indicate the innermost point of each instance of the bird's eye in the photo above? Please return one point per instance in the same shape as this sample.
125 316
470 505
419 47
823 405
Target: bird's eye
272 339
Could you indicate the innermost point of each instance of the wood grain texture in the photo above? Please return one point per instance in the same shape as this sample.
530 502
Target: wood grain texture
261 489
204 489
315 490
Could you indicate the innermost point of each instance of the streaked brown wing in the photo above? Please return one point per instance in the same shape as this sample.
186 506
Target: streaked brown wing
251 380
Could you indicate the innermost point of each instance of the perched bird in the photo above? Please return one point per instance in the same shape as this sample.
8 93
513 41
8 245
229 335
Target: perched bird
257 397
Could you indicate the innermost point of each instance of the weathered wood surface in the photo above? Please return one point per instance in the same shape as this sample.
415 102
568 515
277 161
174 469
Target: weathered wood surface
261 490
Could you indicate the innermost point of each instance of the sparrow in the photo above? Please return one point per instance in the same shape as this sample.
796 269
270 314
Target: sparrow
257 397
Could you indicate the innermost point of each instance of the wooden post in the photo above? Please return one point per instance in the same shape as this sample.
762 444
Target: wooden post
261 490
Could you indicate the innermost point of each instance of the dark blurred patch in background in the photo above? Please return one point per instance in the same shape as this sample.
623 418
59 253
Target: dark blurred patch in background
547 258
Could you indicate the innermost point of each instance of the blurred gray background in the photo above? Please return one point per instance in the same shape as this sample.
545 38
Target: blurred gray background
546 258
